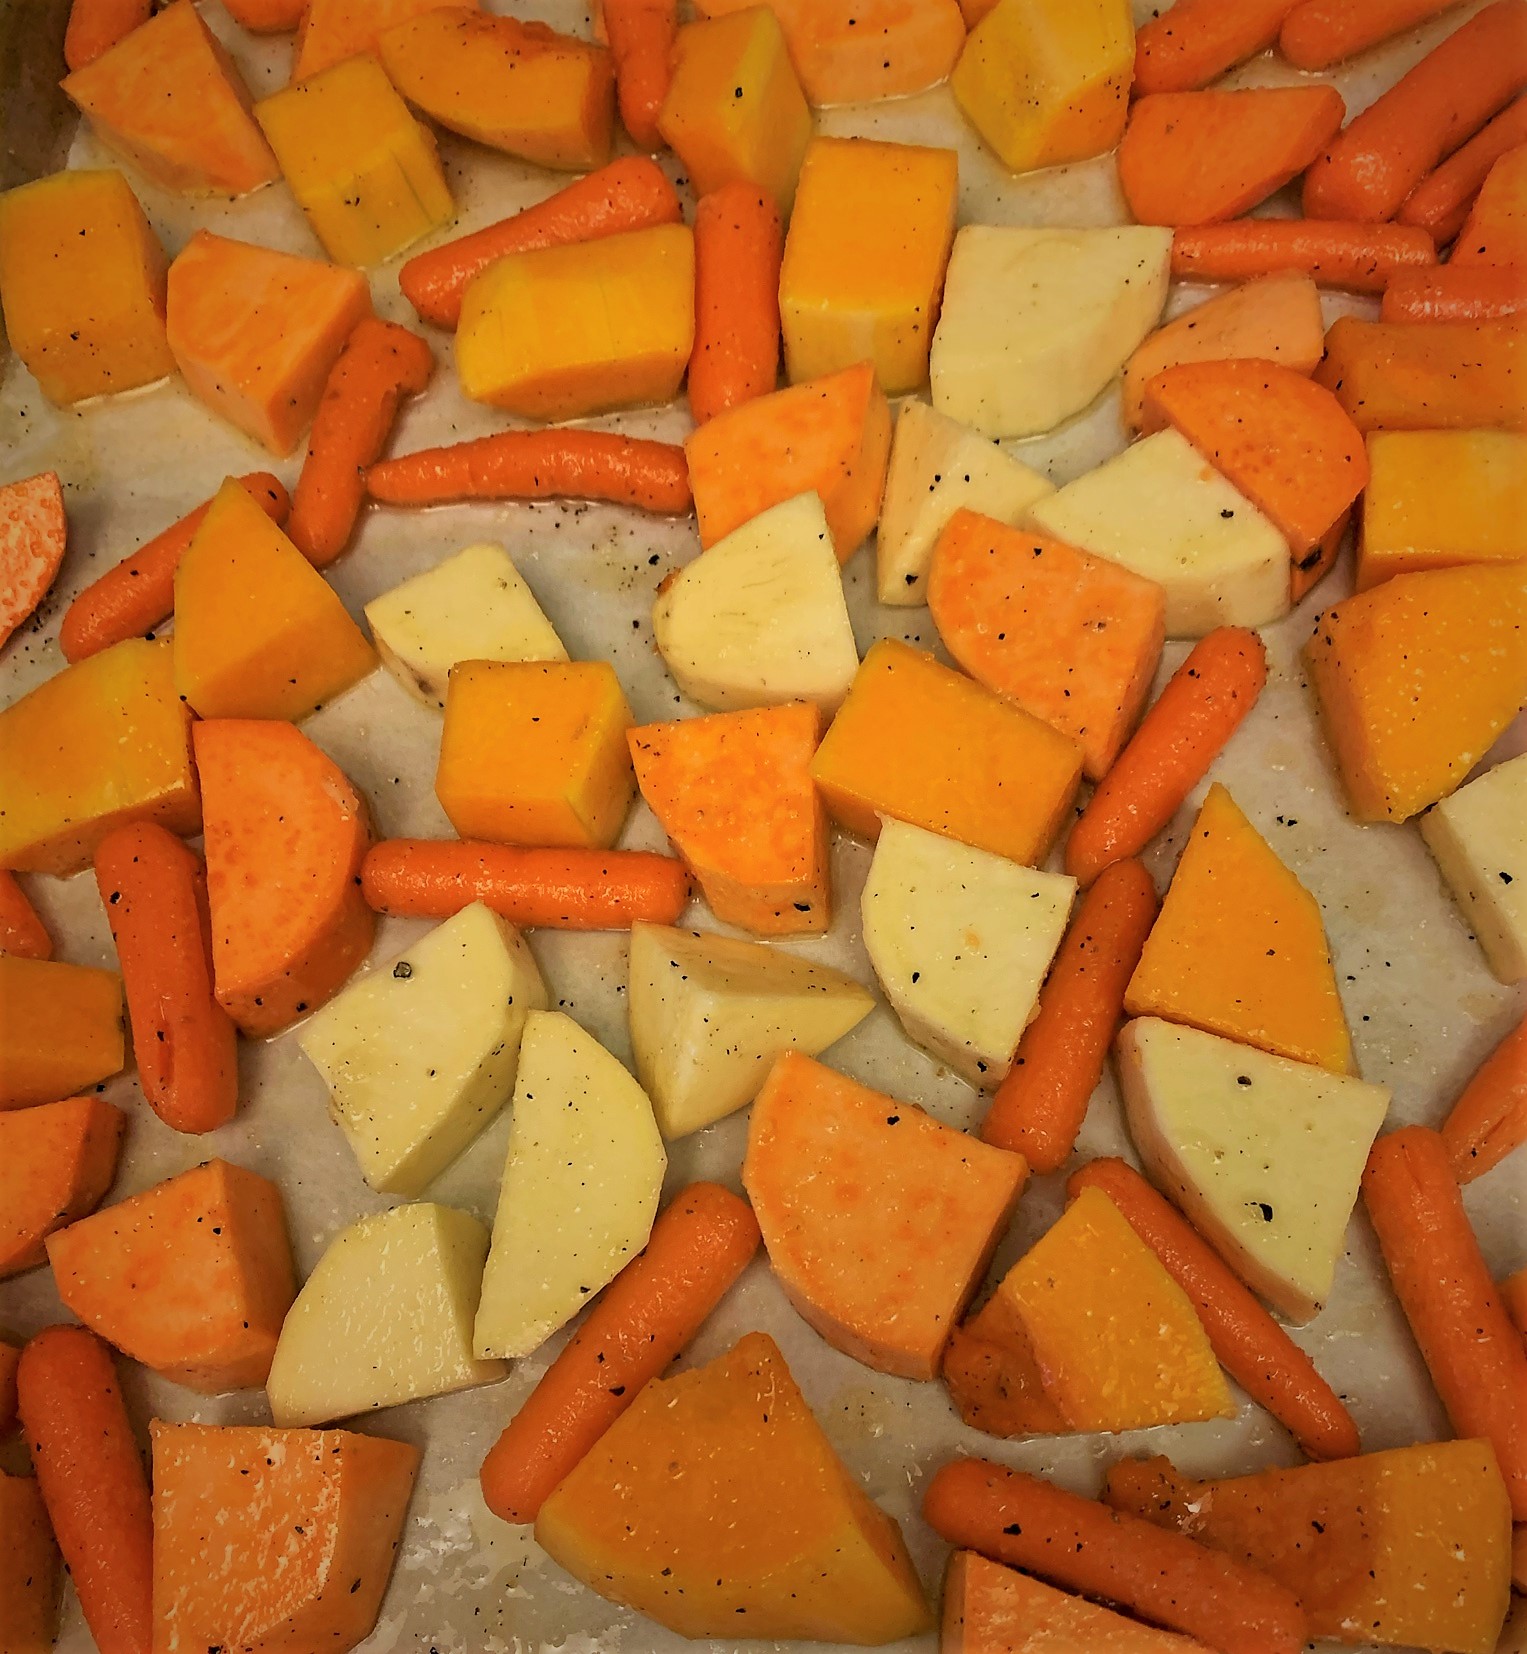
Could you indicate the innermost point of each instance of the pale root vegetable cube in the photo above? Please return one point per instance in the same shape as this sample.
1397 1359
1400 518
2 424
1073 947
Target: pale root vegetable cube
62 1028
385 1318
1263 1154
1037 322
1479 840
332 30
580 1188
562 332
421 1054
31 1580
709 1014
57 1160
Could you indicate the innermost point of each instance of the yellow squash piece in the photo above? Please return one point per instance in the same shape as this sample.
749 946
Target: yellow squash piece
716 1506
1239 948
61 1029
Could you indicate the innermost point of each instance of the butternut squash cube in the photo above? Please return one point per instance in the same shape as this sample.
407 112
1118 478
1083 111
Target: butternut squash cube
562 332
31 1579
255 332
864 259
364 171
56 1162
259 632
61 1029
332 30
82 285
105 741
534 752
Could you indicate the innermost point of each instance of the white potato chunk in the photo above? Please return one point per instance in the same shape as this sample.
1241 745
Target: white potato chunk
1479 840
580 1190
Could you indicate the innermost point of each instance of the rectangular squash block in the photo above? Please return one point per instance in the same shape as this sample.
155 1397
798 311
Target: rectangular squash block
82 285
61 1029
104 741
566 331
864 260
924 744
1395 376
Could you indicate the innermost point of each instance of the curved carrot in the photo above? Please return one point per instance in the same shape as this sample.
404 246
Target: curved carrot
95 26
1170 753
739 241
628 194
1489 1119
1456 293
1471 1349
1363 258
1513 1291
22 933
1040 1105
380 365
92 1482
155 893
556 889
139 593
1318 34
34 533
1440 203
641 35
1196 41
1160 1576
699 1245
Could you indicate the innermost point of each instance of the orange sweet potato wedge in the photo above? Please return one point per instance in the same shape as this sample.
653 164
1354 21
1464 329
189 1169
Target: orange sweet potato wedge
10 1355
1495 232
1392 376
56 1162
31 1579
33 531
22 932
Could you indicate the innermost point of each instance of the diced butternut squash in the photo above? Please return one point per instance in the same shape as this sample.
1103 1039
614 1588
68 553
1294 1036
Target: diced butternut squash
62 1028
285 834
519 87
1410 1547
192 1277
924 744
273 1539
716 1506
562 332
1239 947
1416 679
168 97
103 742
865 257
831 437
332 30
879 1221
266 16
255 332
534 752
31 1579
734 793
1395 376
1495 231
56 1162
82 285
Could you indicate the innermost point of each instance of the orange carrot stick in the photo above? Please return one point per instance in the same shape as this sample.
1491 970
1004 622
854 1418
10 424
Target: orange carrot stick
1383 153
1471 1349
641 35
557 889
1040 1105
1317 34
95 26
139 593
34 532
699 1245
1489 1119
21 932
1081 1544
1363 258
155 893
1513 1291
92 1482
1196 41
380 365
540 465
1456 293
1257 1353
1440 202
1170 753
628 194
738 244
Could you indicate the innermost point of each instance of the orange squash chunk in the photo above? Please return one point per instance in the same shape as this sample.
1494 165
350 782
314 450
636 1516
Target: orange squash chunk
193 1277
716 1506
1416 680
56 1162
1395 376
734 793
62 1028
30 1576
878 1220
1495 231
1239 948
332 30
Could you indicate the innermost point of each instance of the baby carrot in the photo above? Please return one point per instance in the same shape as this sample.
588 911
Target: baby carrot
1489 1119
155 892
21 932
698 1247
1170 753
380 365
1196 41
1160 1576
1440 202
1040 1105
641 35
1513 1291
1456 293
1363 258
92 1482
557 889
1472 1351
738 244
95 26
1318 34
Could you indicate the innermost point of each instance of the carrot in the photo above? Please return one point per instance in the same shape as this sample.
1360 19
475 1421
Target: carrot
1162 1577
1440 202
1382 155
21 931
155 892
1471 1349
92 1482
629 194
1318 34
95 26
739 242
380 365
1363 258
641 34
1489 1119
139 593
1196 41
1441 377
556 889
1495 231
1456 293
1040 1105
699 1246
1170 753
540 465
33 534
1513 1291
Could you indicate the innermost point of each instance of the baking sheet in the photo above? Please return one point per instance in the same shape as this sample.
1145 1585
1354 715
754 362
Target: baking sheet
1423 1008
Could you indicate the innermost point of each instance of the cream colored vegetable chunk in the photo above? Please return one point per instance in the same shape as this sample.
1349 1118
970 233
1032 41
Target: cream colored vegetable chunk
1479 840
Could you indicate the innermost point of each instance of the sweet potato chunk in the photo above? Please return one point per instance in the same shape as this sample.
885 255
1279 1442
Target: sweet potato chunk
56 1162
